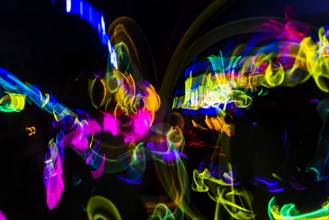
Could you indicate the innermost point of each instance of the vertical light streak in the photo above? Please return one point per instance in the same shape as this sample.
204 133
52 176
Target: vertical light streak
68 6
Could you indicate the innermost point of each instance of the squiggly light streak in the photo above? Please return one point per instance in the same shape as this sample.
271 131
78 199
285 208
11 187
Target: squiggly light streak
12 102
53 181
225 84
289 212
220 194
218 124
99 207
162 212
32 94
122 96
31 130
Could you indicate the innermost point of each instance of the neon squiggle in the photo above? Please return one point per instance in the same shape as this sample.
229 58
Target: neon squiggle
227 80
162 212
215 89
289 211
12 102
219 193
99 207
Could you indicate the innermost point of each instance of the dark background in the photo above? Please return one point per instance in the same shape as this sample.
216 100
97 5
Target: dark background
41 44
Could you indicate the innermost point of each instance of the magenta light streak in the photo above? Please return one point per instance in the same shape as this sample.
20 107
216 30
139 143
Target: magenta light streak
2 216
129 139
110 124
76 138
92 127
55 186
142 122
80 142
100 170
68 138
